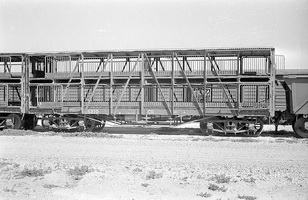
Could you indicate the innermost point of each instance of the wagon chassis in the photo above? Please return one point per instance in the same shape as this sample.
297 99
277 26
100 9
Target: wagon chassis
80 90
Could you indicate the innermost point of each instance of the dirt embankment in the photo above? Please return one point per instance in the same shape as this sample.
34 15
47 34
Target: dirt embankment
115 166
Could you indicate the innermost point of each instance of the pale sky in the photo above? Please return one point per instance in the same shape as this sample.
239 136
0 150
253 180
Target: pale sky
80 25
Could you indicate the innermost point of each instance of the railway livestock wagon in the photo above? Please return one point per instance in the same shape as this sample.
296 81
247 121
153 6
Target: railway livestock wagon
230 90
295 83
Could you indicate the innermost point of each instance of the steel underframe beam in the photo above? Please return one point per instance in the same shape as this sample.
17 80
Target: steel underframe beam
234 113
189 85
97 82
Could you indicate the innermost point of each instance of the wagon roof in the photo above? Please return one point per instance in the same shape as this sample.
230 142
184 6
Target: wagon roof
263 51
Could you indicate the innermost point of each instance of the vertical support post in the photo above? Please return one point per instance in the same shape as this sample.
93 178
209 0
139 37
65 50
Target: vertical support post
54 65
128 60
23 84
82 84
156 60
111 85
54 90
70 64
239 67
172 86
204 85
272 71
38 94
241 88
142 85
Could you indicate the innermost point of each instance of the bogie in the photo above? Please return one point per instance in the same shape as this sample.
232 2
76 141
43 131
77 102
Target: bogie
250 126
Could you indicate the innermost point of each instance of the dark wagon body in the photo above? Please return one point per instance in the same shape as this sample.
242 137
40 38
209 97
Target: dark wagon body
229 90
295 83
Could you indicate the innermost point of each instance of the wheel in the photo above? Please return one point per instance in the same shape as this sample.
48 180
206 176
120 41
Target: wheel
301 127
89 125
204 129
13 121
255 128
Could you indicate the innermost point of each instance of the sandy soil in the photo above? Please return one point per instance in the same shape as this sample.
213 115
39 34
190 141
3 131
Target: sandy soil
48 165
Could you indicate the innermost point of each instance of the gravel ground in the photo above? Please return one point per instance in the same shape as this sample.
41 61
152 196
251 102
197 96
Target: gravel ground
49 165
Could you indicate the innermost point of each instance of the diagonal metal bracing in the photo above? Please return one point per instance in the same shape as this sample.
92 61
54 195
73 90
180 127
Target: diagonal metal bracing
302 104
8 67
126 62
158 85
71 78
98 67
213 69
138 94
162 66
189 85
101 61
226 86
127 82
186 61
97 82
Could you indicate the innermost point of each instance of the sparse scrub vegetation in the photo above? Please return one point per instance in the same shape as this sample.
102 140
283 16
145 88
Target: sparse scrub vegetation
222 178
250 180
78 172
246 197
144 184
204 194
9 190
153 175
137 170
32 172
50 186
215 187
